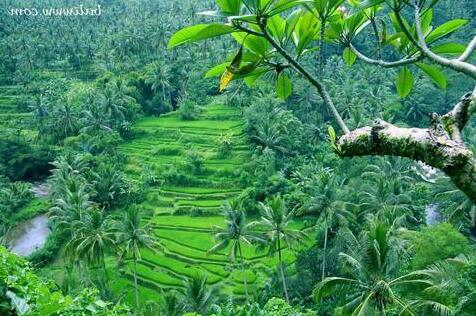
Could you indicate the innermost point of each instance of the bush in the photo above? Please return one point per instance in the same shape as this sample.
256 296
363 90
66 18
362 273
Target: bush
189 111
22 160
225 145
24 293
15 196
435 243
195 212
195 162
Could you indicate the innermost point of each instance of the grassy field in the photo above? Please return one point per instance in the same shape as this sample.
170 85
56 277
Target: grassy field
161 146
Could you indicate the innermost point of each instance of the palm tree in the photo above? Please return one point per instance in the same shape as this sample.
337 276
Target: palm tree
171 304
386 193
269 136
158 77
93 236
235 233
66 124
72 207
371 263
108 183
276 220
328 206
197 297
131 237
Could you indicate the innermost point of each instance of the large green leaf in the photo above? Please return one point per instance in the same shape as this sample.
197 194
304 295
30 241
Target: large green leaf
445 29
284 86
199 32
255 44
277 27
404 82
449 49
217 70
283 5
231 7
435 74
368 4
349 56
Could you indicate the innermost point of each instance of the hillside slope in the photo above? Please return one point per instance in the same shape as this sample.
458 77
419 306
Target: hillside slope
185 205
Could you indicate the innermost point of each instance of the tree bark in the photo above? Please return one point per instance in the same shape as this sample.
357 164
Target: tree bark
440 146
245 281
324 256
281 268
136 286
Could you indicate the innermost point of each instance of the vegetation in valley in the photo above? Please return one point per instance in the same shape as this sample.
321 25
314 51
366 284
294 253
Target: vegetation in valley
239 158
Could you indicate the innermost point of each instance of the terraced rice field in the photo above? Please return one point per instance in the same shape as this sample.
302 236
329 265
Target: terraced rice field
12 116
162 145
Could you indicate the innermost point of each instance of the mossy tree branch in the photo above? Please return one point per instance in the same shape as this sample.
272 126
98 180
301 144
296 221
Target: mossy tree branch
440 146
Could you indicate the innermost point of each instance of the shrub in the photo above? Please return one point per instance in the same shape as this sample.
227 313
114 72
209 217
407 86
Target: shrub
435 243
189 111
195 212
225 145
195 162
15 196
24 293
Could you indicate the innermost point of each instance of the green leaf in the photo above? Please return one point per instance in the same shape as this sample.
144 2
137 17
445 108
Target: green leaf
199 32
217 70
369 4
284 5
284 86
349 56
255 44
404 82
435 74
277 27
332 135
445 29
231 7
254 76
449 49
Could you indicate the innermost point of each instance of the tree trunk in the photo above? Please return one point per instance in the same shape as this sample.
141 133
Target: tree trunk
281 268
323 275
106 275
136 286
243 270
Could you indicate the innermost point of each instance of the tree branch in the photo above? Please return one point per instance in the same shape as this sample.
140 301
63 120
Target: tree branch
440 146
318 85
383 63
454 64
455 120
469 50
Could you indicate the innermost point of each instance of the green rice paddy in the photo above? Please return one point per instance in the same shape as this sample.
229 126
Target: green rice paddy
161 145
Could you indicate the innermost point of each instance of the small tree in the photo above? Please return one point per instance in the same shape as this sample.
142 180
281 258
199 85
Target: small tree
189 110
131 237
195 161
276 220
235 235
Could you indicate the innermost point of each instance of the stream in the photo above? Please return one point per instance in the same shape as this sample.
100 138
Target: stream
29 236
32 234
